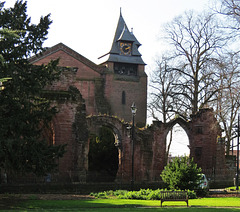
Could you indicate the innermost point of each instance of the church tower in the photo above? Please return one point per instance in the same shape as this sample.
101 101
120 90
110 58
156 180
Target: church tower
126 81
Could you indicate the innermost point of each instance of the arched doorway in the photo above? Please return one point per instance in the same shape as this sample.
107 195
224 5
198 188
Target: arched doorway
103 156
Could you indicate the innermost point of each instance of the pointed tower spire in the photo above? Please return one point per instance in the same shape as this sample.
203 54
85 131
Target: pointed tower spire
123 35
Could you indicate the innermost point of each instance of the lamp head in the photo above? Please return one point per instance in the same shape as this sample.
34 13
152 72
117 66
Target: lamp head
134 109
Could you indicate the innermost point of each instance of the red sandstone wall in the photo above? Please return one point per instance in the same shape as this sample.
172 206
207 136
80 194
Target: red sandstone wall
136 91
64 135
83 79
205 140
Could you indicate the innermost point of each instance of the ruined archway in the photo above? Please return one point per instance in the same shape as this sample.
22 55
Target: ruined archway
102 156
121 135
150 146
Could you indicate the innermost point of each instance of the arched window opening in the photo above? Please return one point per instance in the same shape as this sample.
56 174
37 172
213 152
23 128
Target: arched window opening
177 143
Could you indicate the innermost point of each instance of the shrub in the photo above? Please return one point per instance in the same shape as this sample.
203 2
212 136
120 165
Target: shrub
182 173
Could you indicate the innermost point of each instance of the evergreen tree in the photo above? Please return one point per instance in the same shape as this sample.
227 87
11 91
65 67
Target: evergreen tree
24 114
181 173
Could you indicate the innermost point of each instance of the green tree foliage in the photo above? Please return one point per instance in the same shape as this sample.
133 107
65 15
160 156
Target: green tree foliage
24 114
181 173
4 34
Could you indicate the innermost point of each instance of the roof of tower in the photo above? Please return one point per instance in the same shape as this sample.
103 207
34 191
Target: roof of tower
123 34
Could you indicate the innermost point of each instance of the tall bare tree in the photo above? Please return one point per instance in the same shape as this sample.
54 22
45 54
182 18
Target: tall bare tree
230 9
228 97
196 41
162 88
161 104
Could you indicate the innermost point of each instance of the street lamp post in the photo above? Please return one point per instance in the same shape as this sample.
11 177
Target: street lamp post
134 111
237 175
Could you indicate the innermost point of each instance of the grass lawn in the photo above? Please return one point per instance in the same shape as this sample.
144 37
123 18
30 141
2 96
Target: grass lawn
92 205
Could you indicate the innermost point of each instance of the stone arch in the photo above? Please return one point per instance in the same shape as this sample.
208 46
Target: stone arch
121 133
96 122
202 130
183 123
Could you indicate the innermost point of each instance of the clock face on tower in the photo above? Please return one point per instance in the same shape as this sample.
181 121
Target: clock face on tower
125 48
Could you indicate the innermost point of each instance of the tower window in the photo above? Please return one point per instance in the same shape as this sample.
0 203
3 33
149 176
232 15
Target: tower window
125 69
123 98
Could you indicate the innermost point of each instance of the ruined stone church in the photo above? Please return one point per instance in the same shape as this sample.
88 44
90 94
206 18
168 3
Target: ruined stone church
90 96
